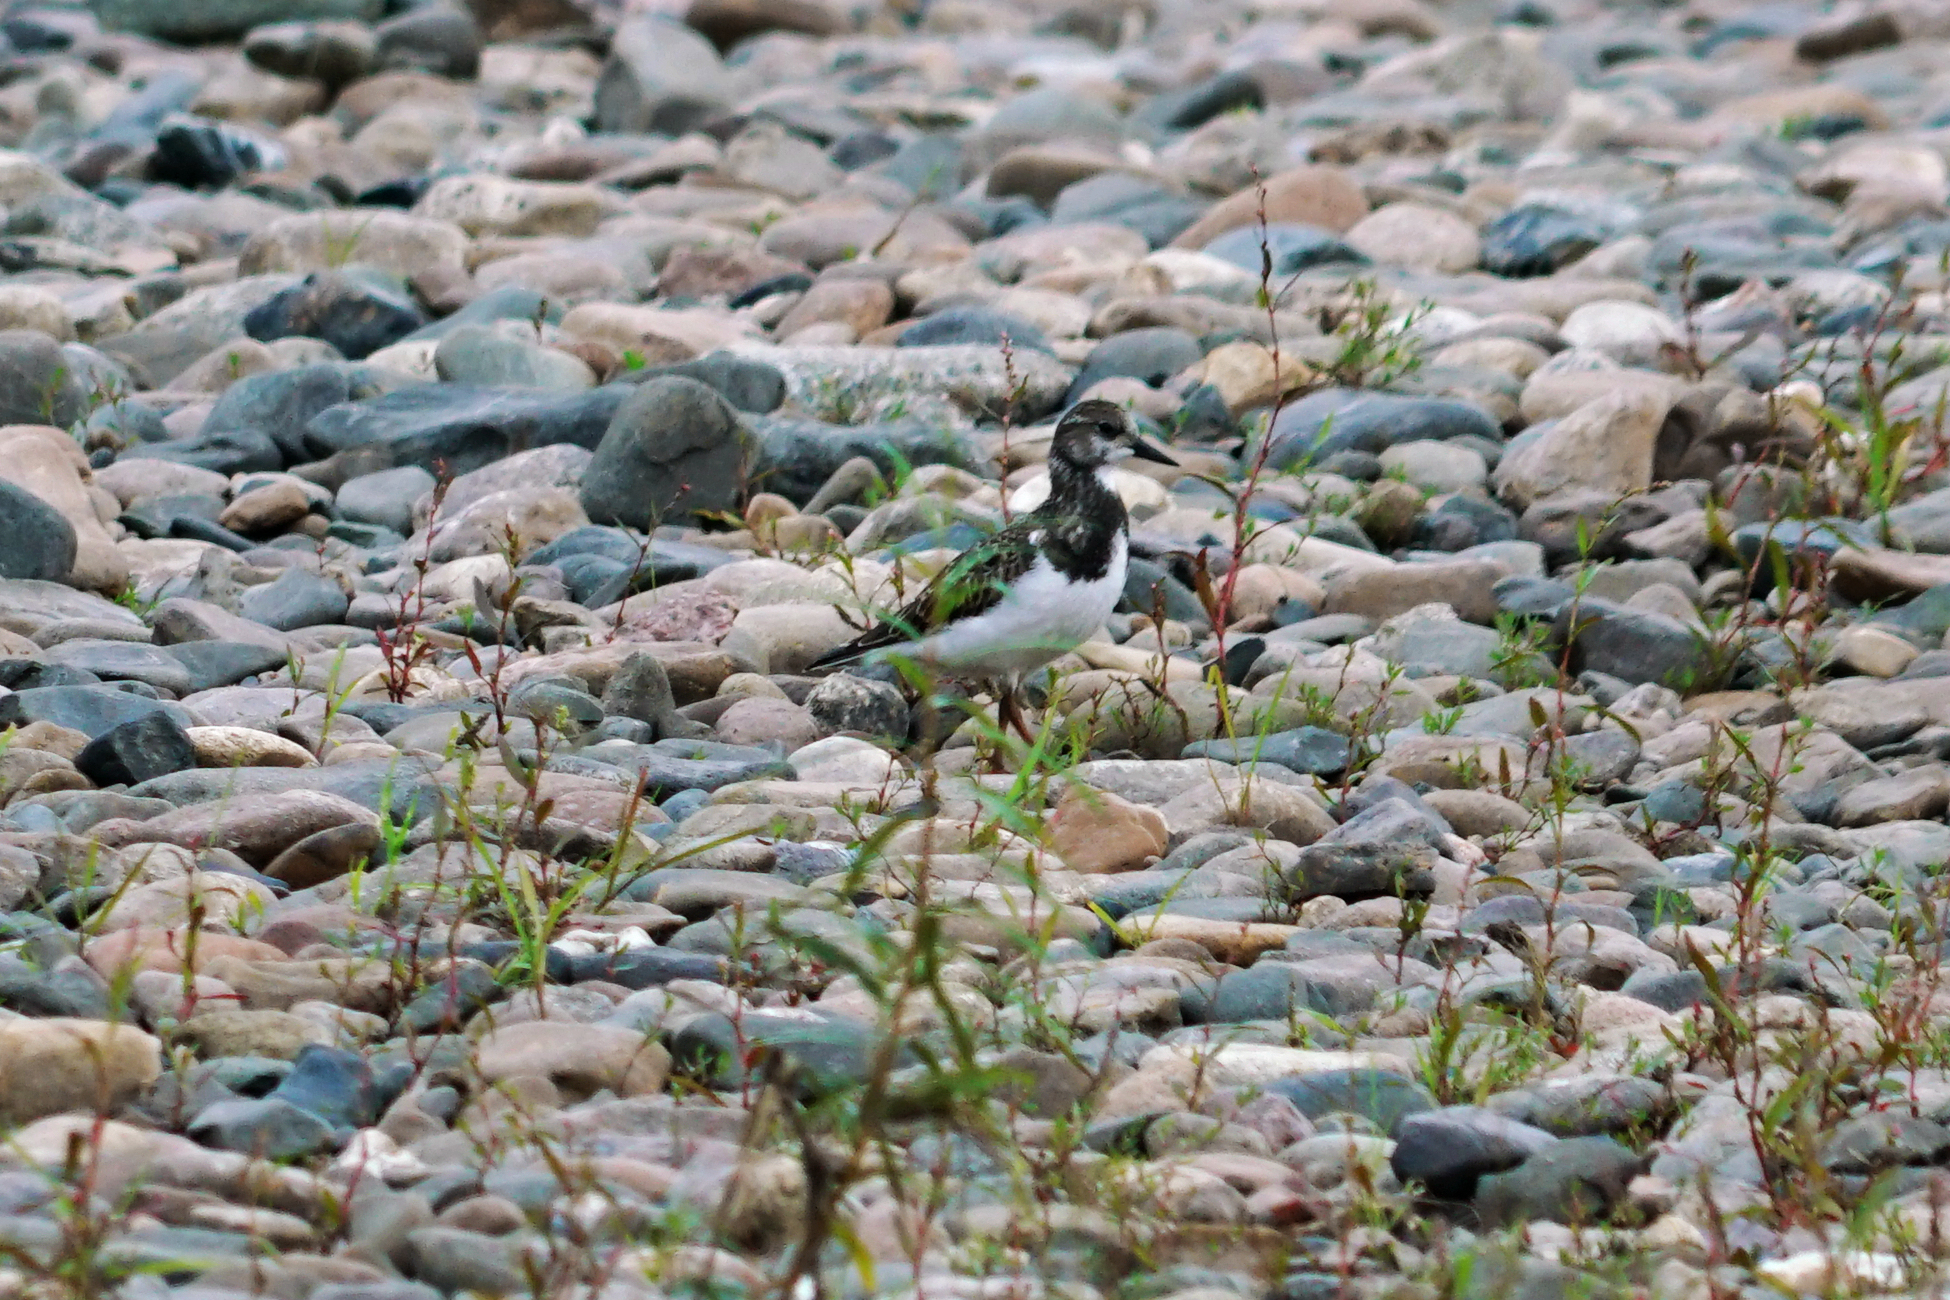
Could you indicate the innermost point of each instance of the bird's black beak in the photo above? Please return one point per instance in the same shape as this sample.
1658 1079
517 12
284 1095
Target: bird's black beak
1145 451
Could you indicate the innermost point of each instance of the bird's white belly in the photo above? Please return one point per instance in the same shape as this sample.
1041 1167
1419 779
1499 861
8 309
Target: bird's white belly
1044 615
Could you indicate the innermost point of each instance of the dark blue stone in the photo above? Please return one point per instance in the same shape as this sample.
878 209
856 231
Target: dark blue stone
1341 419
977 325
1381 1097
1294 247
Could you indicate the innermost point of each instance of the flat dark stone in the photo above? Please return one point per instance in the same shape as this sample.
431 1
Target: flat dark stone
90 710
664 776
820 1056
643 968
1339 419
1382 1097
211 664
458 428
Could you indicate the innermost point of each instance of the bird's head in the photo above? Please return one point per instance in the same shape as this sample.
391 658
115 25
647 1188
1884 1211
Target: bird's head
1096 433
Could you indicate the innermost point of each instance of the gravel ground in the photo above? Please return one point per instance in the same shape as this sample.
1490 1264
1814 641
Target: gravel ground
1495 850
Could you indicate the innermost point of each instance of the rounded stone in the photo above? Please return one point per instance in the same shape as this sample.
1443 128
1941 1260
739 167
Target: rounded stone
673 447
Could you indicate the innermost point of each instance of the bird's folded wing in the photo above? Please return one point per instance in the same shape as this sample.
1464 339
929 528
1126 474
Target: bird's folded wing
974 582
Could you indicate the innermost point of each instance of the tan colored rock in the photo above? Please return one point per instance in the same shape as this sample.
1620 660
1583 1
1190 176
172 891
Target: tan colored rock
532 516
1605 446
147 864
271 508
1041 172
48 1066
1518 357
484 204
228 1030
30 307
210 900
24 177
800 534
578 1059
360 984
50 464
157 995
368 97
246 747
703 271
756 720
1872 651
256 827
225 364
1388 511
325 856
1121 710
359 751
141 948
1864 573
861 305
567 276
763 1204
24 770
1244 375
1418 236
1250 1065
784 638
820 238
1317 195
1239 943
1551 396
1094 245
52 738
15 646
1500 71
1259 588
1919 793
385 237
1451 761
765 156
657 335
1631 333
1166 1084
1096 831
1283 811
1380 594
1479 812
1891 166
238 92
1773 109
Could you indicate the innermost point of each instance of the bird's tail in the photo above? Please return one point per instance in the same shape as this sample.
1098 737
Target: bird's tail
850 653
881 636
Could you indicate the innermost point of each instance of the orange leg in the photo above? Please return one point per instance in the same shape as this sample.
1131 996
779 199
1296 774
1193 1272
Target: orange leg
1008 712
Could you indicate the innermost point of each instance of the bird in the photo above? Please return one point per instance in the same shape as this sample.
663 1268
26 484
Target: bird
1037 588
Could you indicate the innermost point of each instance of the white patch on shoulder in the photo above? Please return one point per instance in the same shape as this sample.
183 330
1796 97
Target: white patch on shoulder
1032 492
1044 615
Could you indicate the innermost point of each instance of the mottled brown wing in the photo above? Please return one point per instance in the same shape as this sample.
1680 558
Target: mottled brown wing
974 582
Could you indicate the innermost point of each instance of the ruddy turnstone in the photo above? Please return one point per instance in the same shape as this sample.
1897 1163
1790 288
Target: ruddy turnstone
1035 590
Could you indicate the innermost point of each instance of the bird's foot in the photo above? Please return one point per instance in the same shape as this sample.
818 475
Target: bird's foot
1008 715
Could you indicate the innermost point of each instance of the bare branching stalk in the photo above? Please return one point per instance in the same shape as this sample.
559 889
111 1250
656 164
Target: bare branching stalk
402 645
1218 602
